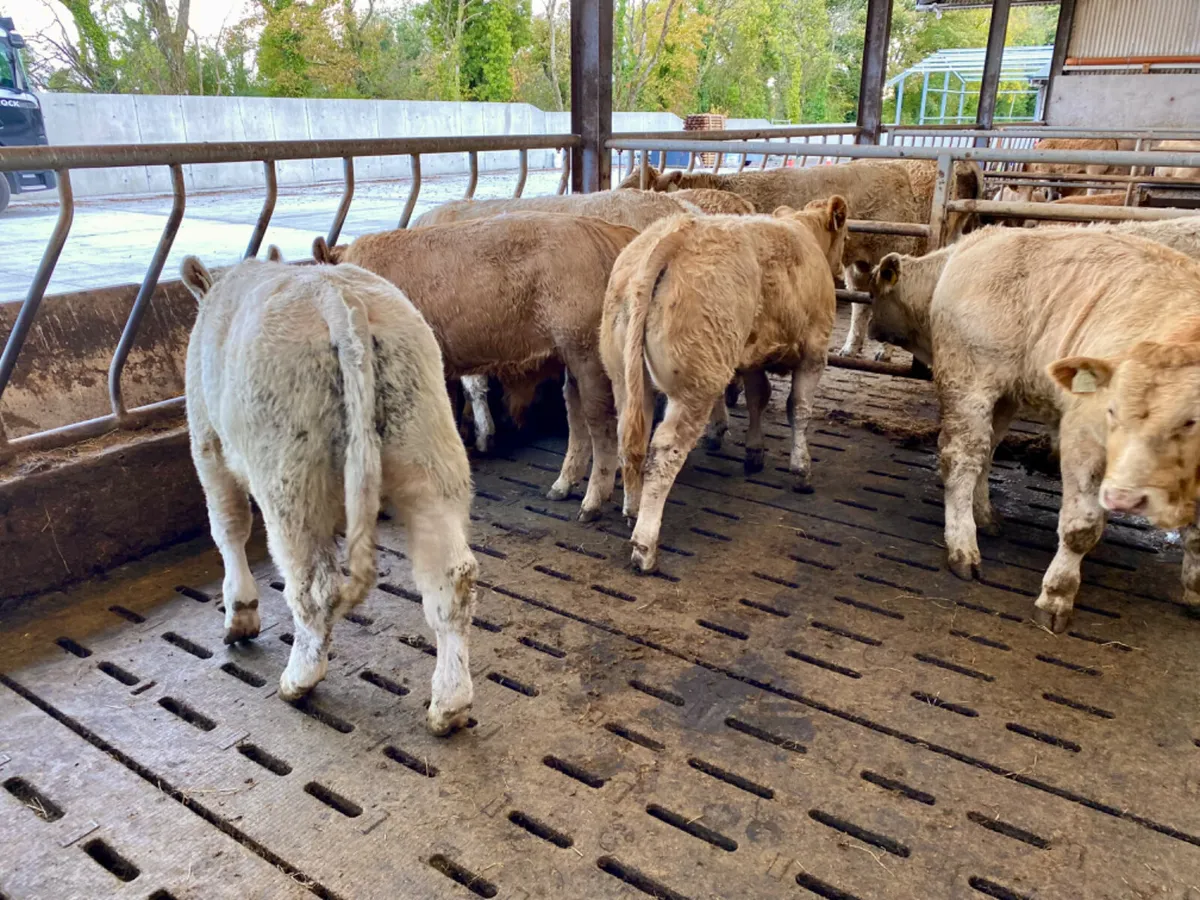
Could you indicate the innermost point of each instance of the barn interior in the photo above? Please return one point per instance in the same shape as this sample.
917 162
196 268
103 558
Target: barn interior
803 701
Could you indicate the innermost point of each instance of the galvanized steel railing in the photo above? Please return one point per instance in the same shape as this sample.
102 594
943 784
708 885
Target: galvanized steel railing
174 156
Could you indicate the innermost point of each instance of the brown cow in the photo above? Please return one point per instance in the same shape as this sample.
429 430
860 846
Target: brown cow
1048 171
694 300
995 311
886 190
504 296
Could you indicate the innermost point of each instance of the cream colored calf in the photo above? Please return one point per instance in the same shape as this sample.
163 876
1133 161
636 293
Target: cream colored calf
319 391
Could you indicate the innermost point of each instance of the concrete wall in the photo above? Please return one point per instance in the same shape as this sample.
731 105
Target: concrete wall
137 119
1126 101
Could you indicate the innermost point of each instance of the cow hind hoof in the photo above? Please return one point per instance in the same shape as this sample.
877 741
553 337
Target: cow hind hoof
485 444
442 722
558 492
963 566
589 515
712 442
754 461
245 626
993 528
883 354
644 559
292 691
1052 620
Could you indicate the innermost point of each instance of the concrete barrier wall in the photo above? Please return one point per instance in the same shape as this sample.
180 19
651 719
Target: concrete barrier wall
1157 100
139 119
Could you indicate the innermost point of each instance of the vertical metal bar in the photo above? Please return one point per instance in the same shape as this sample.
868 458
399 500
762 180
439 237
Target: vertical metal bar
924 96
997 31
941 194
591 93
945 92
523 156
565 181
37 289
742 164
766 156
662 160
1062 44
264 217
691 161
1134 170
473 165
411 203
900 98
644 178
874 70
142 303
717 161
339 218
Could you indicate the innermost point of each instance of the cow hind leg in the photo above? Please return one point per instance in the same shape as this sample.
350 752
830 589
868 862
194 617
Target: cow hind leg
230 520
965 442
596 401
445 571
672 442
308 560
718 426
986 518
578 450
476 389
733 391
1080 527
805 379
758 395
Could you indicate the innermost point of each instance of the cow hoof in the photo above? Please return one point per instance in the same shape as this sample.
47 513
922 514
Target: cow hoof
1052 620
245 625
883 354
441 722
644 559
800 483
712 442
962 565
292 691
589 515
557 492
754 461
993 528
485 444
732 392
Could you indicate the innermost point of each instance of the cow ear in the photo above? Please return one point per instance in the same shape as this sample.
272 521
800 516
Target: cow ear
669 181
321 251
836 213
274 254
1081 374
888 271
782 212
196 277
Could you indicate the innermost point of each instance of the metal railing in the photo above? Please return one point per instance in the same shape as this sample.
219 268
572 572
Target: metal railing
174 156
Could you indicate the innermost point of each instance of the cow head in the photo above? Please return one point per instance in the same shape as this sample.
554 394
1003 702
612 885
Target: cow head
1152 407
889 319
827 221
633 181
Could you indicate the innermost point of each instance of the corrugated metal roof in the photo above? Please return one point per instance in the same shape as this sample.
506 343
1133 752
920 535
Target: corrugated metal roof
947 5
1115 28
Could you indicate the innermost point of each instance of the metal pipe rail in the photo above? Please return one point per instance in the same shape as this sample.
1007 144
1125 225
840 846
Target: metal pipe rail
1045 131
1068 212
175 156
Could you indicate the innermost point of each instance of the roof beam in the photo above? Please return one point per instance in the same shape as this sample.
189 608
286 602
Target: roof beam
874 70
997 31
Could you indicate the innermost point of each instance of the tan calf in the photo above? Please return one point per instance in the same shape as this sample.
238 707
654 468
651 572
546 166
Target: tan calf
319 391
506 295
725 203
1007 304
881 190
694 300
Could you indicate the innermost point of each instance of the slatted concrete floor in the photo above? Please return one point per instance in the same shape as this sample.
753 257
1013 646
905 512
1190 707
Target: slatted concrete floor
803 704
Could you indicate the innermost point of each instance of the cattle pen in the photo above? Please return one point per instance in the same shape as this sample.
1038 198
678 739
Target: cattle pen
802 701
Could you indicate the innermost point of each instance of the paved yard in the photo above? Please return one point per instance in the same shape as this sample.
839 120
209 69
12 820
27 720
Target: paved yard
112 240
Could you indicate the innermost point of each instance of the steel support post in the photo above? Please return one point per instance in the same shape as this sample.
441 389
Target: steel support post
591 93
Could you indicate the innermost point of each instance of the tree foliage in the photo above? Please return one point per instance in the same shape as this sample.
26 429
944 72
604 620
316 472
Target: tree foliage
785 60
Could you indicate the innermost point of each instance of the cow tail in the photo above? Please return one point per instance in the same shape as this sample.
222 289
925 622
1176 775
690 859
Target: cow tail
363 471
635 433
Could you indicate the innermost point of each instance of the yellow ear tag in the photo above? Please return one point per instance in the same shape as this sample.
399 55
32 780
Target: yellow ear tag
1084 382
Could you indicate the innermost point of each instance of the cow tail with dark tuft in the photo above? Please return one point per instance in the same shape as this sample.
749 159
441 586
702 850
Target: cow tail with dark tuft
634 437
363 471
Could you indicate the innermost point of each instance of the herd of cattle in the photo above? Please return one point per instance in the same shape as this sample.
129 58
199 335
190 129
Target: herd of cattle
322 390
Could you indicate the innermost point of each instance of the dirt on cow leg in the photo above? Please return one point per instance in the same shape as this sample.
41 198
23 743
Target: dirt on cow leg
1190 538
718 426
758 395
1080 527
804 391
669 448
578 448
986 518
312 587
600 418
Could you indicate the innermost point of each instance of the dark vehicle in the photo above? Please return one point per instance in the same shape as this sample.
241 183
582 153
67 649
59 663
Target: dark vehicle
21 122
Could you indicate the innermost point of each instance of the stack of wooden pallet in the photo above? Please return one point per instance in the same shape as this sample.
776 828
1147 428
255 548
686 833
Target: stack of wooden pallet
705 122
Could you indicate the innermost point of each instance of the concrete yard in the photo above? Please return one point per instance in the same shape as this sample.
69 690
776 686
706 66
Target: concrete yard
112 239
